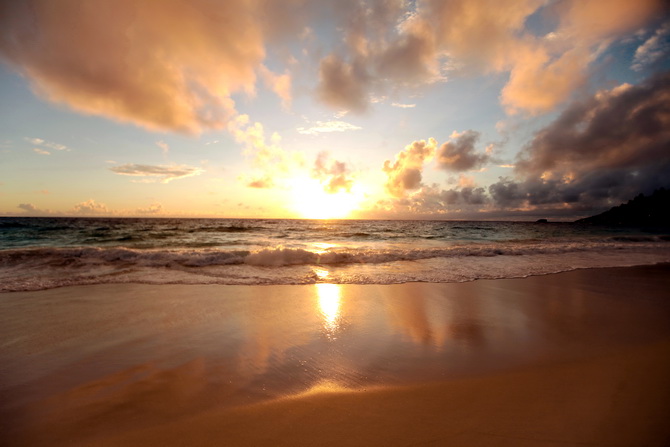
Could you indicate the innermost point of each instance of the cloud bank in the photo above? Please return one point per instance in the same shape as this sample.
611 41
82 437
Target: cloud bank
599 151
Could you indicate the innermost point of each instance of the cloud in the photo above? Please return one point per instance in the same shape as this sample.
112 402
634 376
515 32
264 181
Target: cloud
545 72
653 49
465 181
47 144
268 157
507 193
328 126
599 151
41 151
29 207
433 201
386 47
403 106
474 34
626 126
459 154
409 59
333 174
126 60
405 173
155 173
538 82
343 85
261 183
591 21
90 207
420 42
163 146
154 208
278 83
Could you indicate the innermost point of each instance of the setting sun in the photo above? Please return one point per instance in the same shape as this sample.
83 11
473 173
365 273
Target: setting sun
310 201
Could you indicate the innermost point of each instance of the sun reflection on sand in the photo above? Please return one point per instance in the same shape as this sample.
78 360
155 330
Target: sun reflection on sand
329 305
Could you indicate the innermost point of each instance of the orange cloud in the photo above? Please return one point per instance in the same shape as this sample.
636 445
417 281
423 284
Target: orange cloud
472 37
545 72
167 65
268 157
406 172
90 207
333 174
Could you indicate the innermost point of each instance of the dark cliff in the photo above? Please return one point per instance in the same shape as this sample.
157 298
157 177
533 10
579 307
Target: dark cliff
642 211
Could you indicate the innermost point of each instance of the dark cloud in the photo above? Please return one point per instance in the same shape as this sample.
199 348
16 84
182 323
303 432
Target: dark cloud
464 196
343 85
431 201
410 59
598 152
627 126
507 193
459 154
384 47
474 196
601 151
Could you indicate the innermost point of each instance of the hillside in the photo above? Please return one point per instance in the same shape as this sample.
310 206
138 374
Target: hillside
644 211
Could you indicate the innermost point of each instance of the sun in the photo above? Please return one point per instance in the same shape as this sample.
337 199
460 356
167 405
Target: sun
310 201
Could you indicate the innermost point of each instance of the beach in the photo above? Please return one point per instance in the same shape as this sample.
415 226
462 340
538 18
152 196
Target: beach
574 358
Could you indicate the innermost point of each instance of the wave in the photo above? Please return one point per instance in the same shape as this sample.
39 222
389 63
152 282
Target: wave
203 255
224 229
13 225
231 269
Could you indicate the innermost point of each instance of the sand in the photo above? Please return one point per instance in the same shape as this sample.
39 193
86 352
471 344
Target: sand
573 359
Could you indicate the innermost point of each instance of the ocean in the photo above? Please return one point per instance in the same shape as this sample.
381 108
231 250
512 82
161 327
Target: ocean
43 253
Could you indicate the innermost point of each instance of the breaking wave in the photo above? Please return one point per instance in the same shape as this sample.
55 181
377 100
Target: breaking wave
37 268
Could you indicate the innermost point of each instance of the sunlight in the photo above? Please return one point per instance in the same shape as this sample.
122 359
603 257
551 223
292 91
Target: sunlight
310 200
329 305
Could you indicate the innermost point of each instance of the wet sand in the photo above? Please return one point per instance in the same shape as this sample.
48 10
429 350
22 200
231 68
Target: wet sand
577 358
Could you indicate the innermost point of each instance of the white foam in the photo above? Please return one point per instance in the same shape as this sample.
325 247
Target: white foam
34 269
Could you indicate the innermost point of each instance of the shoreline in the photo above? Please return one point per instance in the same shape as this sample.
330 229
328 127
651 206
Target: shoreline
99 281
495 362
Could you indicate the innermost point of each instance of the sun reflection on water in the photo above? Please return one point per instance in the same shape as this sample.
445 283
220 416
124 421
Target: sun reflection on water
329 305
321 248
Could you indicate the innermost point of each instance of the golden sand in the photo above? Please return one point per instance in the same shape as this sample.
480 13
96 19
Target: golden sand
578 358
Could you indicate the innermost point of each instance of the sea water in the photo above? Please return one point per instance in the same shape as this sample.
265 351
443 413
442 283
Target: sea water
41 253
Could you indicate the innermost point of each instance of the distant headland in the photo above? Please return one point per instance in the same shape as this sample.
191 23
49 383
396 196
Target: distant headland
643 211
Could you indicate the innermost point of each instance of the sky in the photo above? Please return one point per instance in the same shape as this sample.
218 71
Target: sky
377 109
